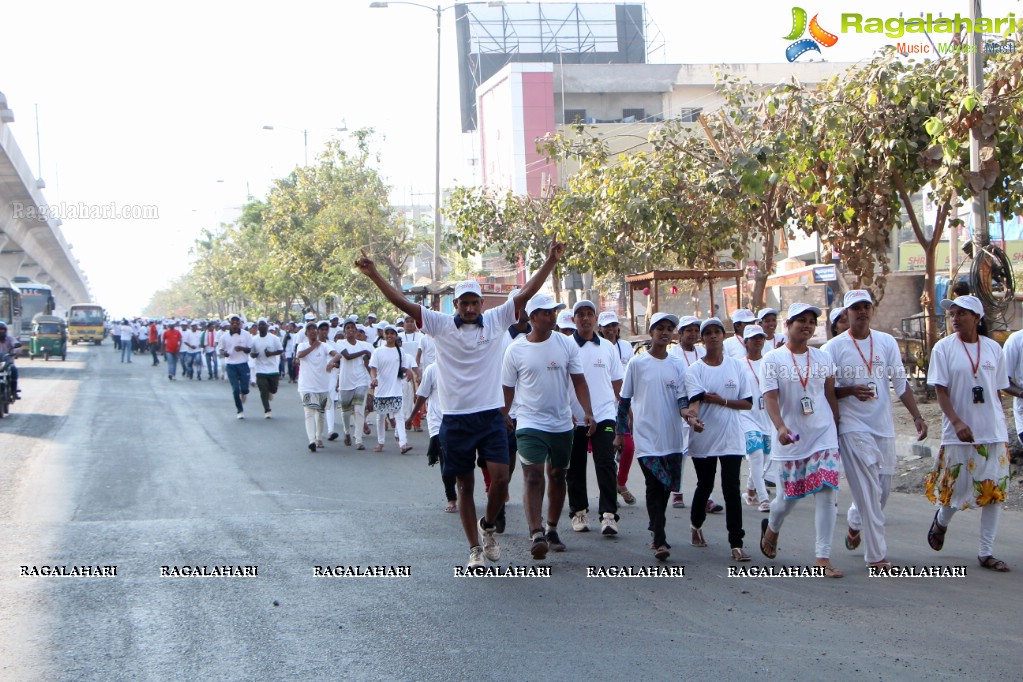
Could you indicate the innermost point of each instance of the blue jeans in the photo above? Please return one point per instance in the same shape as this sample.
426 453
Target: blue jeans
238 375
126 352
172 363
211 365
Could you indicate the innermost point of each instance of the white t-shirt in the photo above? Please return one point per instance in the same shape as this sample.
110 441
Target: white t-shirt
654 386
689 357
875 415
227 343
734 347
470 358
539 372
428 389
601 366
950 367
429 354
755 419
1013 351
410 343
816 431
353 373
723 432
625 351
313 376
262 344
190 341
385 361
506 340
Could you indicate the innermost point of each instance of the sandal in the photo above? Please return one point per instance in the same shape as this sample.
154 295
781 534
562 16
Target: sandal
739 555
830 571
936 534
677 502
406 449
628 497
884 565
451 507
378 448
772 546
697 538
662 553
750 498
993 564
852 539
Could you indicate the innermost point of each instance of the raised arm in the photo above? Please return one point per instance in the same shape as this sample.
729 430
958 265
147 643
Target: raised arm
554 254
369 268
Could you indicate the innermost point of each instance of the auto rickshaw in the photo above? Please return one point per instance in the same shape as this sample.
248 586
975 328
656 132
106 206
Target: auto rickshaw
49 337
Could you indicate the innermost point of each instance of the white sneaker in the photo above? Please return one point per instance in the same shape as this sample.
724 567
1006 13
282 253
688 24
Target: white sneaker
241 415
476 558
491 550
266 415
579 524
608 525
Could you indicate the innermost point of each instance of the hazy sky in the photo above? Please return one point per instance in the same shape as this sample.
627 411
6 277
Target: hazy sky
146 105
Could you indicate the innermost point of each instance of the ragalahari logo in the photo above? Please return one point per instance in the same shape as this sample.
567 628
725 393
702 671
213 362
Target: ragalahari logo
817 36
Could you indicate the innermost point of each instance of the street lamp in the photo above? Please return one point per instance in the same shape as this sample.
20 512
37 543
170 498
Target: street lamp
438 10
305 135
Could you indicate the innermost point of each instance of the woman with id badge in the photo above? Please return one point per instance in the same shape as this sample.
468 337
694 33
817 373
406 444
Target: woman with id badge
799 394
967 369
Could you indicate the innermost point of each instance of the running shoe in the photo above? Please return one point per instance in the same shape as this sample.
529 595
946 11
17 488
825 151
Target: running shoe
491 549
579 524
540 546
553 541
608 525
476 558
713 507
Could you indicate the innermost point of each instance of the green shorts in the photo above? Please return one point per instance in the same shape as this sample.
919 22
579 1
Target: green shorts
540 447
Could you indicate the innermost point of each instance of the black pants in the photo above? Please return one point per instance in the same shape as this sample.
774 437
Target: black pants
706 468
291 370
602 442
450 493
267 385
657 497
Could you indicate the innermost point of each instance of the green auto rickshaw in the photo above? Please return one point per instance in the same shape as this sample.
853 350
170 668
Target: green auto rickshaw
49 337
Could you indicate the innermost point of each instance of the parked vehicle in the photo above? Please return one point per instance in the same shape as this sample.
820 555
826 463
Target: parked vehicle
49 337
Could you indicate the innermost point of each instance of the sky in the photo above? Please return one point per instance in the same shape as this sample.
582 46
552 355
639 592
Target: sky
163 106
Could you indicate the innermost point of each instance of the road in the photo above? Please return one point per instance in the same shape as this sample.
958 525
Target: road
109 464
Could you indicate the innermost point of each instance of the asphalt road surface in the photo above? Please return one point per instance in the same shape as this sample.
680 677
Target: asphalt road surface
109 464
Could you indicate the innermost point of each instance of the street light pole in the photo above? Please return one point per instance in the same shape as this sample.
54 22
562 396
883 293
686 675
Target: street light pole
436 187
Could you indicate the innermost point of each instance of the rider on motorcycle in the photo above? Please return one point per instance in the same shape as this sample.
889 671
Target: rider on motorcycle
8 351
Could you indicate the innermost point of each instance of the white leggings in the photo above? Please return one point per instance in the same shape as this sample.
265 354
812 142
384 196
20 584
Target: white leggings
824 518
755 480
989 515
399 427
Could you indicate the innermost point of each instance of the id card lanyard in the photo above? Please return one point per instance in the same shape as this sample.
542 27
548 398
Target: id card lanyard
805 401
760 403
978 390
868 361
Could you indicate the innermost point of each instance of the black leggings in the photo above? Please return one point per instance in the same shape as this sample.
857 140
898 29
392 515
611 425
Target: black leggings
706 469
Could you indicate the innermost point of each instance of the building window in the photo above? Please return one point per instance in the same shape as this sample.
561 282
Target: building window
690 115
633 114
575 116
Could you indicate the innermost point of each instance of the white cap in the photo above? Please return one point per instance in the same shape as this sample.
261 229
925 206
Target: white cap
565 320
754 330
743 315
542 302
469 286
711 322
309 317
799 308
688 320
835 314
657 317
335 317
359 328
390 327
764 312
583 303
971 303
607 317
261 320
856 296
373 315
235 316
273 327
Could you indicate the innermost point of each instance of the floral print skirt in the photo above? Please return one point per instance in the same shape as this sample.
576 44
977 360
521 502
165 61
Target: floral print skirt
802 477
969 475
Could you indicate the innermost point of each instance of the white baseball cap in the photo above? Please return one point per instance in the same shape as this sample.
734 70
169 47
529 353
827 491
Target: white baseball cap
764 312
373 315
469 286
971 303
583 303
335 317
390 327
542 302
799 308
657 317
261 320
753 330
236 316
835 314
856 296
565 320
607 317
743 315
309 317
688 321
711 322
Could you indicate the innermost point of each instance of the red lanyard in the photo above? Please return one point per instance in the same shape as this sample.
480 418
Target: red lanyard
799 374
685 356
868 363
755 372
967 351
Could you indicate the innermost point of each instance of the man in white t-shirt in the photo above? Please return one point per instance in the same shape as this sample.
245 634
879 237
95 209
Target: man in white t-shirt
469 359
734 347
865 362
235 345
127 334
1013 352
353 382
266 350
314 383
190 342
654 389
541 369
604 373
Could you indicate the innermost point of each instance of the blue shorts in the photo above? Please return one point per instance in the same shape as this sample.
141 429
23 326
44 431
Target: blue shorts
463 435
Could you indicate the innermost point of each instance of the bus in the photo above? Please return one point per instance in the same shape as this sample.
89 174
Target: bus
36 298
85 323
10 307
